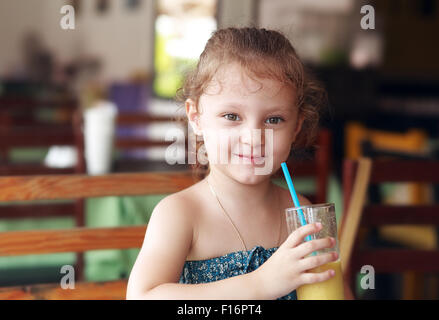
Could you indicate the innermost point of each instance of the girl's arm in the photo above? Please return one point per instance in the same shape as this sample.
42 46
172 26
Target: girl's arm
158 267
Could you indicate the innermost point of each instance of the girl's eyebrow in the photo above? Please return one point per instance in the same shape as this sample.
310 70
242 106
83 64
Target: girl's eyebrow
281 109
278 108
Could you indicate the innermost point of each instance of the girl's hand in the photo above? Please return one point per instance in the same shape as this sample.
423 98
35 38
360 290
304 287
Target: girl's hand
285 270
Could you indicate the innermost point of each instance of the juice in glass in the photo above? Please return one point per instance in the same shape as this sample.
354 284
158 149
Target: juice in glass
333 288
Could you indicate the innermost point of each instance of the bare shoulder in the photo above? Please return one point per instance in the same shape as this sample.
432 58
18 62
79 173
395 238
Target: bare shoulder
179 206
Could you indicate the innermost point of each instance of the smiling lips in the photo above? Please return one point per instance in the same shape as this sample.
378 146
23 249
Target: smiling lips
251 158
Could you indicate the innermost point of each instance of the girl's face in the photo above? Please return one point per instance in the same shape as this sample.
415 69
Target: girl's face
248 125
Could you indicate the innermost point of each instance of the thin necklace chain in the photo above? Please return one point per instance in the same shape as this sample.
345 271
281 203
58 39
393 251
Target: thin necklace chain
231 221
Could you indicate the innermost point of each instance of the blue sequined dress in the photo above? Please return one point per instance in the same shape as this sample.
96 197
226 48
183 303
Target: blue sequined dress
228 265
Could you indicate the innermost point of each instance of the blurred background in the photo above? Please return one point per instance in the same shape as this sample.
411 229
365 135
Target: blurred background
125 60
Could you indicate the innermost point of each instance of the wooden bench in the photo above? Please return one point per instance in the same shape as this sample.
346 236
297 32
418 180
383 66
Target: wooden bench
79 239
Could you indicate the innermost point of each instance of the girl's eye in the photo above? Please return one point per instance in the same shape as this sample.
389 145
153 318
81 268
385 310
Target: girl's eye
274 120
231 116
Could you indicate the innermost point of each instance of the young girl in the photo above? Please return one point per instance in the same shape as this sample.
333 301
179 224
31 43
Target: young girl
225 237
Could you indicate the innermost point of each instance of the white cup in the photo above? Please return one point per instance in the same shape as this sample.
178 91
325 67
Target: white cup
99 127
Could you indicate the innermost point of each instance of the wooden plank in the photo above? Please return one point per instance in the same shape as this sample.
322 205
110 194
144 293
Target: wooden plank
376 215
126 165
28 120
27 103
405 171
397 260
111 290
84 186
37 210
30 137
355 210
137 143
130 119
15 243
37 127
25 169
349 170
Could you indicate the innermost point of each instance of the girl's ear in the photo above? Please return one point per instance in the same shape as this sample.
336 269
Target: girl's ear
300 120
193 116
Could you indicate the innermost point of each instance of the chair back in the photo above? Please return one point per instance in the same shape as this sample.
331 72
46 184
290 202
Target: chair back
372 215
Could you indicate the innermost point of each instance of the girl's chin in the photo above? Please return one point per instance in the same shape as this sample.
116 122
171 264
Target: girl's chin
247 176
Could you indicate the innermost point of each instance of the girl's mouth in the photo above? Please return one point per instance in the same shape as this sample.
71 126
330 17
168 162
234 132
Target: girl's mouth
253 159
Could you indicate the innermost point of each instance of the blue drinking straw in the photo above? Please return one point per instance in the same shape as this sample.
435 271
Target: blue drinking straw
294 196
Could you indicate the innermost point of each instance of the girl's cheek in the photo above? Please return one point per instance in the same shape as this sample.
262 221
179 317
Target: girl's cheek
281 144
217 145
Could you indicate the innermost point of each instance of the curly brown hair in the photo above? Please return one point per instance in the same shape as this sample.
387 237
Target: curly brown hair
262 54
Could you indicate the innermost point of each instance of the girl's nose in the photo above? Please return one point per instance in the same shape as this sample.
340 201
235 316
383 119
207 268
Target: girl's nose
252 136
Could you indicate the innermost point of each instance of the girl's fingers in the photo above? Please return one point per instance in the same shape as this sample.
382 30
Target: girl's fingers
317 261
309 247
308 278
297 237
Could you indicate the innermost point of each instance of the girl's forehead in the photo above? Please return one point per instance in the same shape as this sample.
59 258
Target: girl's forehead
233 79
